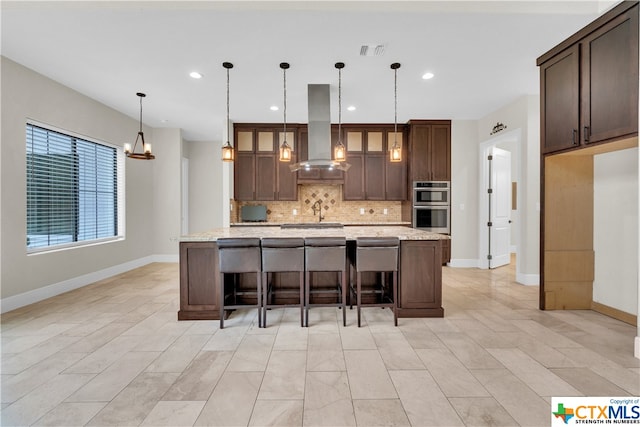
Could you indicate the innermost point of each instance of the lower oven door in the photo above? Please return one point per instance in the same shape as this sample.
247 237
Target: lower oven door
432 218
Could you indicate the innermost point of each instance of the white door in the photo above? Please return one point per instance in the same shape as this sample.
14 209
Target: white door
500 208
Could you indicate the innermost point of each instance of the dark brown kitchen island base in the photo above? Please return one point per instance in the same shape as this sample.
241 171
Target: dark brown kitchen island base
419 291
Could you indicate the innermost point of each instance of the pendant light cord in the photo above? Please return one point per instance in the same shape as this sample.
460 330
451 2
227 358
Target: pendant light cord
140 114
395 108
228 105
284 78
339 102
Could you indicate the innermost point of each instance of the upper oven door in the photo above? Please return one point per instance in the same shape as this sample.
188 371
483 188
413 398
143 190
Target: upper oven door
430 196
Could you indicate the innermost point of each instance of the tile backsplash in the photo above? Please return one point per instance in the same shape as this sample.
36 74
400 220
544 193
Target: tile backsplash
334 209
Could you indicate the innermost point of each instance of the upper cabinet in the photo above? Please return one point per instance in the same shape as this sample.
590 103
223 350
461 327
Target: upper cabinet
372 176
430 150
589 84
258 174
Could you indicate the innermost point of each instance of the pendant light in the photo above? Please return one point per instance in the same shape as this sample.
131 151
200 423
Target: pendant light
339 151
285 149
146 148
395 152
227 149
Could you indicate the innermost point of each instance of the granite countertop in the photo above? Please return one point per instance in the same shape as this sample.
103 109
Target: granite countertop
352 223
350 232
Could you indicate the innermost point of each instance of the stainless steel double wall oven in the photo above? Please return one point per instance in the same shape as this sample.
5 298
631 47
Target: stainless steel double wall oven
431 206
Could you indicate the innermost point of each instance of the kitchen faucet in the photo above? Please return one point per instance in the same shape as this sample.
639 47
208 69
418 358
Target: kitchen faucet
317 207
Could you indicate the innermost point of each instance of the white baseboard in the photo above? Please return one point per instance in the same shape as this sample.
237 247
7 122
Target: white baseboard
636 351
528 279
463 263
513 249
30 297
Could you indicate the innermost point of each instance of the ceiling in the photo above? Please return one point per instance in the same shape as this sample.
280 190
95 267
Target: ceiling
482 54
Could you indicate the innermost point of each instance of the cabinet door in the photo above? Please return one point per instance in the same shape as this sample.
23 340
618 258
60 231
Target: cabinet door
199 281
420 274
440 153
374 177
244 176
559 99
610 80
353 188
420 147
265 176
395 181
287 182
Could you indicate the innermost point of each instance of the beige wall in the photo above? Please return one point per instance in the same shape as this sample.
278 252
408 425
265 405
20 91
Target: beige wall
615 229
464 191
152 198
205 186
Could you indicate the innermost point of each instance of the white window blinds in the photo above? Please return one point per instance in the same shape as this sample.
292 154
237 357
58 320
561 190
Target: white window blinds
72 189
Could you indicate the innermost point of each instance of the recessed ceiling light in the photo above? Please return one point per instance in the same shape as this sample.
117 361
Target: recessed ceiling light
351 108
274 108
195 75
427 76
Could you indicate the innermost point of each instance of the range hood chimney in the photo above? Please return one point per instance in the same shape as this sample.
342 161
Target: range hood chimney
319 128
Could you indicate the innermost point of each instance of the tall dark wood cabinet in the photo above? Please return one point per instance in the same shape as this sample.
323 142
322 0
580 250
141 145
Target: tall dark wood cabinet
430 150
258 174
588 106
589 83
372 176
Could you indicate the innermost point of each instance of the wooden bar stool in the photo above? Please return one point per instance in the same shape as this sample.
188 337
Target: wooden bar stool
239 255
281 255
326 254
377 254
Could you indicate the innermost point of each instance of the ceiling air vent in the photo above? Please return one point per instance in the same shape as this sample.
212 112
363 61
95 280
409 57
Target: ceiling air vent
372 50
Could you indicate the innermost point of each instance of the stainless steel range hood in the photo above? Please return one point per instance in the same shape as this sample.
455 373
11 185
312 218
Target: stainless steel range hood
319 129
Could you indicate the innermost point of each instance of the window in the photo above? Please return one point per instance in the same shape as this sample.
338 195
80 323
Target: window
72 190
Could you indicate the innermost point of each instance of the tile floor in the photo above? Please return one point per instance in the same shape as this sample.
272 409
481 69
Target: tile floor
113 353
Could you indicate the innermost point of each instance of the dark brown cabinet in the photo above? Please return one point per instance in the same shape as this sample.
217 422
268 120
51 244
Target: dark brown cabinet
372 176
589 84
559 94
199 279
589 106
430 150
419 294
419 287
258 174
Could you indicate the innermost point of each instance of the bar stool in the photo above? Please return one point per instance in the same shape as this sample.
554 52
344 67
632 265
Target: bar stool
326 254
239 255
280 255
377 254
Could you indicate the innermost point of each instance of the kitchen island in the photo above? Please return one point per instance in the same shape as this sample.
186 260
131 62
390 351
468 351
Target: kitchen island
420 269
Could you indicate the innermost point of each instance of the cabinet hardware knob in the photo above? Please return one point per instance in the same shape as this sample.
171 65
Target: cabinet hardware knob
575 137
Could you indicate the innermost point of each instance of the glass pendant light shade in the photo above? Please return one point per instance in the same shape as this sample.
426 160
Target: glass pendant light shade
228 153
285 149
285 152
339 151
395 152
146 147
